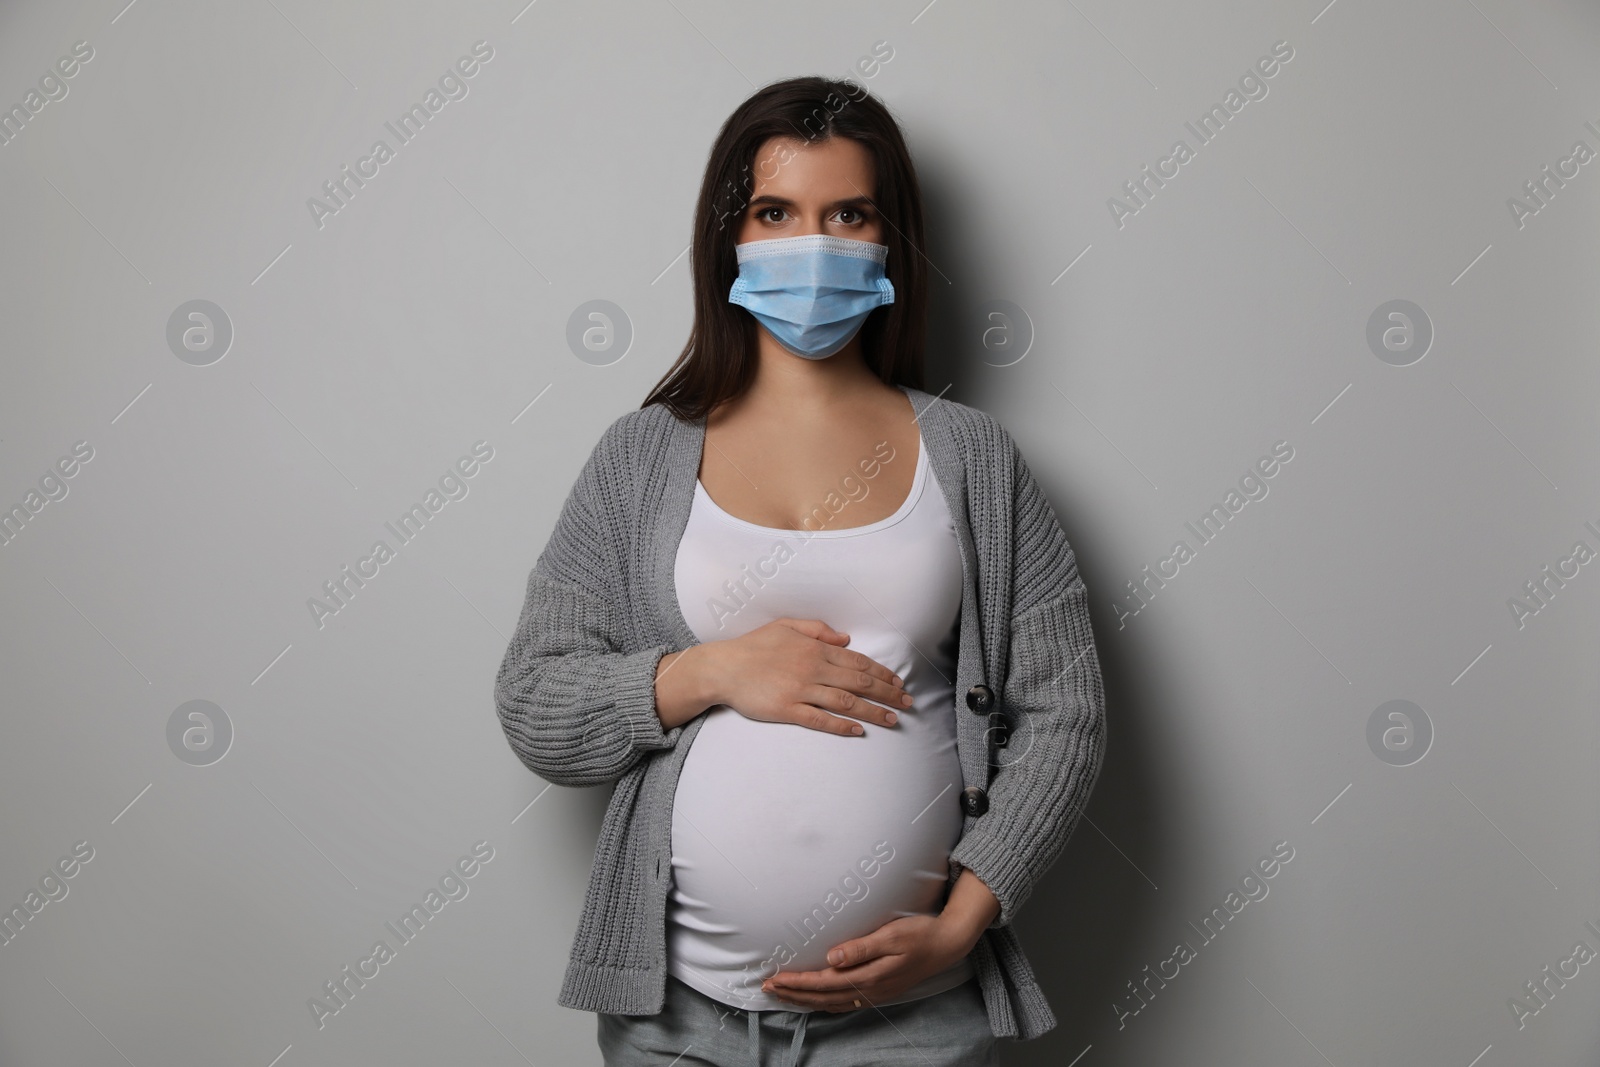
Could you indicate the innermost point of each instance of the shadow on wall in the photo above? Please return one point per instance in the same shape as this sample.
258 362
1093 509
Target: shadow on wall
1079 926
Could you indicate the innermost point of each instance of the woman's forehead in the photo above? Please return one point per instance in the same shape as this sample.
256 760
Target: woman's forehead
837 168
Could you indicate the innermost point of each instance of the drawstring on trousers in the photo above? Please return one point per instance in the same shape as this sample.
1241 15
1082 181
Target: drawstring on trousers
794 1045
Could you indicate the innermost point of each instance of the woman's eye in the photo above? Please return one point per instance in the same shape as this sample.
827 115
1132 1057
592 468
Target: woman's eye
860 216
762 214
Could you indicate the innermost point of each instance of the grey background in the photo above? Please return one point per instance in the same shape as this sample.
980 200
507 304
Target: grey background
432 312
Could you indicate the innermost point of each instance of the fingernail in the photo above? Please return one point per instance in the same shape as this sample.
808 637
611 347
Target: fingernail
891 718
895 680
905 698
857 730
836 958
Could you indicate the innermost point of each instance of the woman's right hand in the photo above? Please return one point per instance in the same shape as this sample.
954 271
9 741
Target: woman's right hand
791 670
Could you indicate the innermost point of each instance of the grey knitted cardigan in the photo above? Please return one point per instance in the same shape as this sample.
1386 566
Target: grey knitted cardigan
576 690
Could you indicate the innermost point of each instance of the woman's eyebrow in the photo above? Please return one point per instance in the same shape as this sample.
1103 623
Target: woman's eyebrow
783 201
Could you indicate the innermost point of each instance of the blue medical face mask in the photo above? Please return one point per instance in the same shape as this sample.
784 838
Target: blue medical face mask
812 293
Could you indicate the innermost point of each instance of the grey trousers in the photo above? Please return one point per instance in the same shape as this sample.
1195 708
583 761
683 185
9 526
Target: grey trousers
693 1030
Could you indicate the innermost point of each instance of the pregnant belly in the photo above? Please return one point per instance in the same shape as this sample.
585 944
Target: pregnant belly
787 841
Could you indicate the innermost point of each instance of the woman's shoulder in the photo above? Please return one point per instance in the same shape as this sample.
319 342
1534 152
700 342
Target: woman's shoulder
980 435
631 429
649 422
632 439
614 460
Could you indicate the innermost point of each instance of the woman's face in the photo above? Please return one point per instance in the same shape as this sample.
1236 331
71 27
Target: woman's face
806 187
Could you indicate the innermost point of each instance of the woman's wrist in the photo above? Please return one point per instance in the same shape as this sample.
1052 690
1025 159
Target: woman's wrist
683 685
971 907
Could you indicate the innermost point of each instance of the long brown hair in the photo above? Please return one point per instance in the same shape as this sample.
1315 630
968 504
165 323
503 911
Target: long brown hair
718 362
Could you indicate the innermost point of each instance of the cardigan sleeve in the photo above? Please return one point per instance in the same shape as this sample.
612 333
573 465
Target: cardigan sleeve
1053 695
577 707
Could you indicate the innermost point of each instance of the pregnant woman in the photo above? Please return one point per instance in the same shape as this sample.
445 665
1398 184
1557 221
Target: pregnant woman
823 635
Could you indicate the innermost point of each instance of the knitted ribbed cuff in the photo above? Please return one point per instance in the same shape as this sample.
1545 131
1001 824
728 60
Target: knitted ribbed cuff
635 686
997 867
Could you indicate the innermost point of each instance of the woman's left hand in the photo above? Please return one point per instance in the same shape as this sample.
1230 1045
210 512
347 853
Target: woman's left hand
880 966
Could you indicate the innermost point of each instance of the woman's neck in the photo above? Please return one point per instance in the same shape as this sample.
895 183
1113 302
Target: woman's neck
798 387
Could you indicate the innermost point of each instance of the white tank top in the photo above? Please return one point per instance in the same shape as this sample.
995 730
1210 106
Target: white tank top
787 841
